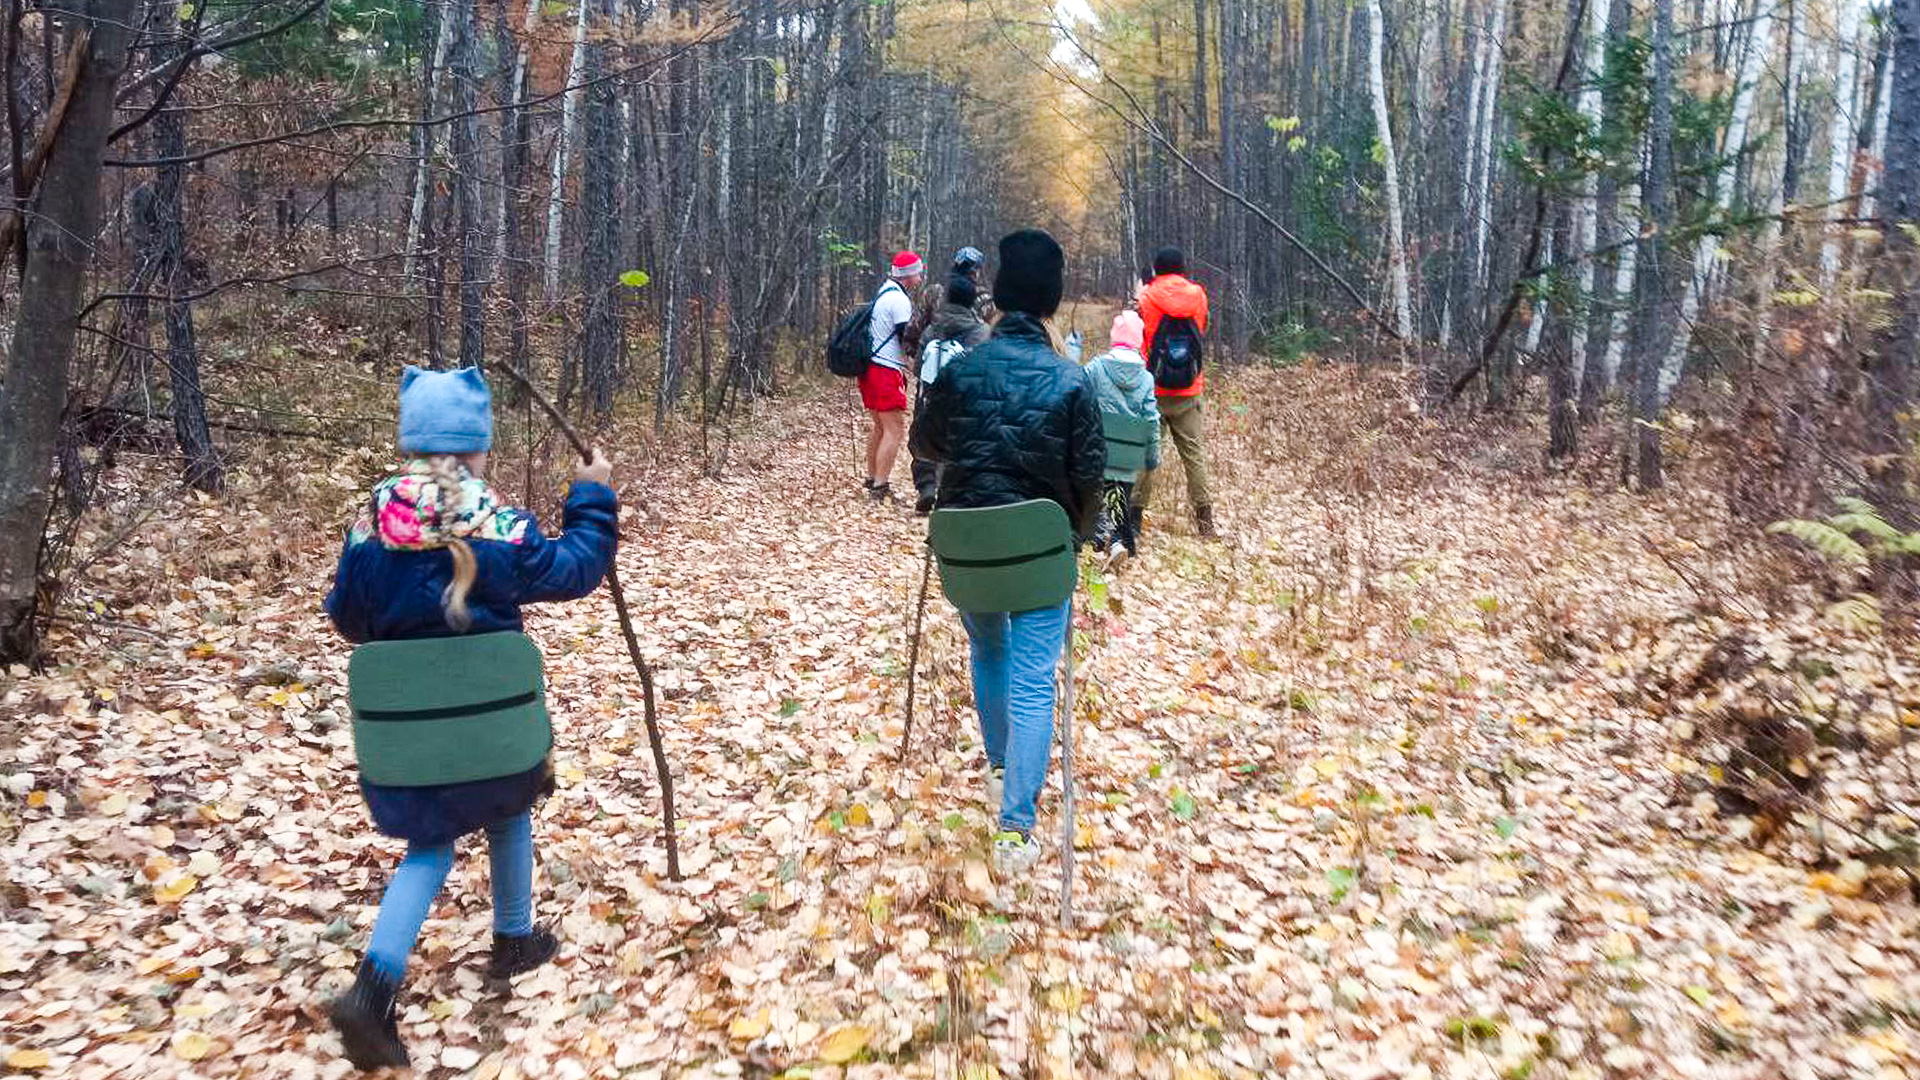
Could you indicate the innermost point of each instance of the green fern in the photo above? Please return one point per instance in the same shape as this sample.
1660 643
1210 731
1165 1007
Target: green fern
1858 612
1826 539
1834 537
1870 524
1854 504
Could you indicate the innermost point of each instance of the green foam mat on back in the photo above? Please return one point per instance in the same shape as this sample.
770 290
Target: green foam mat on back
1005 558
448 710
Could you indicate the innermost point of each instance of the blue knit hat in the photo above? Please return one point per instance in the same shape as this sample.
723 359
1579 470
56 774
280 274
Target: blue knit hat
445 412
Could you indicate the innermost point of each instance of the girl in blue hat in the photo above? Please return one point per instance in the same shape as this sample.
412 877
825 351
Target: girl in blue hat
436 553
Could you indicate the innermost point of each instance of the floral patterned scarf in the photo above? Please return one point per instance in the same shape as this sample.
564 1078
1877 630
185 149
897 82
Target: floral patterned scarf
411 511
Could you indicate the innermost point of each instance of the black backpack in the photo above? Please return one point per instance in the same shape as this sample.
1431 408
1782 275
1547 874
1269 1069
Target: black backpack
851 347
1176 357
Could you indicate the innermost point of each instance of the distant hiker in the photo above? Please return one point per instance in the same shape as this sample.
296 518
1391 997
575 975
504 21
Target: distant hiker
436 553
968 263
883 385
1174 311
1011 421
940 317
1122 385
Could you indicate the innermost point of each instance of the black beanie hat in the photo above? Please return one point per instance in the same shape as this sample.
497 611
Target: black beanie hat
1169 260
962 291
1032 273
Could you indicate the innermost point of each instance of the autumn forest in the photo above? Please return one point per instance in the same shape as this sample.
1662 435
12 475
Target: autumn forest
1516 674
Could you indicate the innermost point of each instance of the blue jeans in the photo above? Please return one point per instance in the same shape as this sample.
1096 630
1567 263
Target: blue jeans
1014 656
410 894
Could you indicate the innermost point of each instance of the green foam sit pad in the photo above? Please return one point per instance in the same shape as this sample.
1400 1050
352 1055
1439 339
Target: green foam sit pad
1005 558
448 710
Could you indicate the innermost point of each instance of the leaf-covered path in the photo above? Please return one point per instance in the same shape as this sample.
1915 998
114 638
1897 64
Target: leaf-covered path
1361 796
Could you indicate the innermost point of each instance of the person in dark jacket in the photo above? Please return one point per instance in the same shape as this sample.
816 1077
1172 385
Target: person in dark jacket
955 326
436 553
1010 421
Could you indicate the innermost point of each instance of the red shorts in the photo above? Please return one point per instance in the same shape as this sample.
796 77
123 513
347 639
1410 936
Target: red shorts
883 389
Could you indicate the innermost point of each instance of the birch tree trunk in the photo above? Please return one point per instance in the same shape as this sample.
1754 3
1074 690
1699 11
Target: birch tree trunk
1873 170
466 163
1840 138
512 132
1626 272
1483 155
1770 232
1396 229
563 151
1469 166
424 134
1706 251
1586 208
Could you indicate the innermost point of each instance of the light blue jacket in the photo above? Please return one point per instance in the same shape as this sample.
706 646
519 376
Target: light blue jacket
1122 385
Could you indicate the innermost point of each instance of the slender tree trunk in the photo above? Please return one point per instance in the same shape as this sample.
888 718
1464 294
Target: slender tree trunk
1652 332
1485 161
466 162
1768 246
1877 143
513 88
1396 229
1627 225
1706 252
1586 215
201 463
1890 367
600 354
422 207
59 245
563 151
1840 138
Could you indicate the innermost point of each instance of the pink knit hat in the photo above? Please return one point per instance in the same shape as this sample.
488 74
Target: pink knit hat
905 265
1127 330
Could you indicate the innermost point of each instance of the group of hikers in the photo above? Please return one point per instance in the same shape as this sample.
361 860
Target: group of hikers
1144 373
1003 416
437 559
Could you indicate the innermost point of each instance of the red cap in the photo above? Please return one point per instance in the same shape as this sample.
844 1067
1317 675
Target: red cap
905 265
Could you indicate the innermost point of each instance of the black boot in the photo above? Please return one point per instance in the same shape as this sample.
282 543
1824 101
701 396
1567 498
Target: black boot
515 954
1203 520
364 1017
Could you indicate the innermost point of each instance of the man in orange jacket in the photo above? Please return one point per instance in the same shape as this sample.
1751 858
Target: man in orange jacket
1173 302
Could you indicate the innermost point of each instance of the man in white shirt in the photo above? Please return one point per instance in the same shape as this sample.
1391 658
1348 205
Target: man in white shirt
883 386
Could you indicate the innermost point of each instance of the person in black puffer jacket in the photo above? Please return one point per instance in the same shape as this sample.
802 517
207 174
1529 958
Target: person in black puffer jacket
1013 420
1007 422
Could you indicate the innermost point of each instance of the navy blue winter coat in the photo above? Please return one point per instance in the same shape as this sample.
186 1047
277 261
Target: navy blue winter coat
388 586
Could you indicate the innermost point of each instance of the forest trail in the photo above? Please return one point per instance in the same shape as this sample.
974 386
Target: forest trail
1357 800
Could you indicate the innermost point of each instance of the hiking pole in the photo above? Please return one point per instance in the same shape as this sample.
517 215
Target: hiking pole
1066 782
626 630
919 613
913 650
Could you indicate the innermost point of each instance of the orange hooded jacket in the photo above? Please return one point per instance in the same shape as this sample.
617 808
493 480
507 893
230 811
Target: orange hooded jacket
1176 295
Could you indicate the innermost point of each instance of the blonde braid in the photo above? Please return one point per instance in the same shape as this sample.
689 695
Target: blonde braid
453 501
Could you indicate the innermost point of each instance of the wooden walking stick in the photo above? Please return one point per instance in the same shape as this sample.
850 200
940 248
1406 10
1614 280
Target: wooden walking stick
633 641
913 650
1066 782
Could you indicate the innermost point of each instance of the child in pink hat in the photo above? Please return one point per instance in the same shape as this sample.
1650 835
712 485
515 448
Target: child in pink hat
1122 384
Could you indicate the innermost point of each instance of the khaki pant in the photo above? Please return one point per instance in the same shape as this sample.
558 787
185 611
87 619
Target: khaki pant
1182 422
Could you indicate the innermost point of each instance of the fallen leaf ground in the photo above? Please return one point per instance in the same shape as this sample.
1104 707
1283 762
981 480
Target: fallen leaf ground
1363 793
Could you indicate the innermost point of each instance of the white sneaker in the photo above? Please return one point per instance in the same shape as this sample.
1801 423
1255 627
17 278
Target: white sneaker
1116 555
996 788
1014 853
